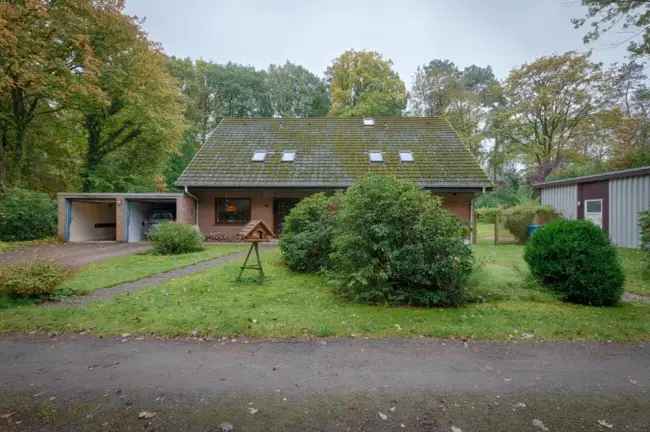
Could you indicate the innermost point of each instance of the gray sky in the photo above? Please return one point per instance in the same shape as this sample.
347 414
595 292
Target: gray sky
500 33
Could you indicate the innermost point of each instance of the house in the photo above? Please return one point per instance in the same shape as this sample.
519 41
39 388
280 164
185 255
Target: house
259 168
611 200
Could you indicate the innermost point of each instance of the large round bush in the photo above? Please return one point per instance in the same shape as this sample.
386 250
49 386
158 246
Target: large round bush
394 243
576 259
170 238
26 215
306 240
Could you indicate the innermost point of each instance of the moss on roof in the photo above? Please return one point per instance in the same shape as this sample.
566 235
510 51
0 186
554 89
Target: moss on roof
332 152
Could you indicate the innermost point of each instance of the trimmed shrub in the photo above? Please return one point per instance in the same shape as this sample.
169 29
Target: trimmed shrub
33 280
576 259
516 219
306 239
170 238
26 215
394 243
644 223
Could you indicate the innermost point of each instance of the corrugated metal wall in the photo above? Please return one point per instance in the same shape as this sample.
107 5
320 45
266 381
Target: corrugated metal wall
627 197
563 199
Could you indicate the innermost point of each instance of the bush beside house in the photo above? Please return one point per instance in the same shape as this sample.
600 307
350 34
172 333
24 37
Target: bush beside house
170 238
576 259
26 215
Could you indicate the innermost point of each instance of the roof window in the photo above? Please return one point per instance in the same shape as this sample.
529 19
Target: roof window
375 156
368 121
288 156
259 156
406 156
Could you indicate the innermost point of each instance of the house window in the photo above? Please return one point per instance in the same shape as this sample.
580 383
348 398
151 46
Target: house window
259 156
406 156
232 211
375 156
288 156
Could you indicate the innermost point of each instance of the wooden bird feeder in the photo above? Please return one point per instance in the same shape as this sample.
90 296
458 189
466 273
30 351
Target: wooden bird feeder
255 231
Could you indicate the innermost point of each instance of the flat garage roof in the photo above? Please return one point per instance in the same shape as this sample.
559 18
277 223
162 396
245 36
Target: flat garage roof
127 195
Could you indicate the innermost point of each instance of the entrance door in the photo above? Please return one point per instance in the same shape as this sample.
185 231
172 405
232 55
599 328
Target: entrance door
594 211
281 208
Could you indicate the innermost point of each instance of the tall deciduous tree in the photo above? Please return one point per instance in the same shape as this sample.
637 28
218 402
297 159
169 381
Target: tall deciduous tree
45 63
296 92
548 101
363 83
136 121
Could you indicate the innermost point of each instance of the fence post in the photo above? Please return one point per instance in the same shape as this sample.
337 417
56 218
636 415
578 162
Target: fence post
496 228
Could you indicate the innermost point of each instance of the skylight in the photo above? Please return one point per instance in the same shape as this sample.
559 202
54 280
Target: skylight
288 156
259 156
368 121
376 156
406 156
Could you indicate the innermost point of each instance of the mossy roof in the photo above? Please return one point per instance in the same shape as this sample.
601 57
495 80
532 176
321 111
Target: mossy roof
332 153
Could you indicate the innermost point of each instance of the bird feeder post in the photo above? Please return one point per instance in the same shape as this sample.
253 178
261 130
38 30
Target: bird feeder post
254 232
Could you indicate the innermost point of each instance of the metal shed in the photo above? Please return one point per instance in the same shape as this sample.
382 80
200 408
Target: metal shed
611 200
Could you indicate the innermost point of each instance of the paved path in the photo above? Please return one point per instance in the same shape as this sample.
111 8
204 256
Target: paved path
156 279
72 254
77 383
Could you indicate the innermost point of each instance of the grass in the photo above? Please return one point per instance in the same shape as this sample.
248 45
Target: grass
128 268
11 246
302 305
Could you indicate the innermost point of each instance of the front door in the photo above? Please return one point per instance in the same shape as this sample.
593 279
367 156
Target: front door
281 208
594 211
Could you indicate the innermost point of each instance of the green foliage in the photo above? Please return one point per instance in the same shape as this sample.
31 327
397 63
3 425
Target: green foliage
296 92
394 243
363 83
307 231
26 215
510 192
489 214
644 223
33 280
516 219
576 259
171 238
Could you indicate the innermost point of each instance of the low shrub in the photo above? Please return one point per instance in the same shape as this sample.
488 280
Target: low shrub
33 280
576 259
26 215
516 219
488 214
170 238
394 243
306 240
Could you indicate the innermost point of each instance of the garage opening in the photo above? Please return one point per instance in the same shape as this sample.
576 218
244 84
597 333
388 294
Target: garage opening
92 220
144 214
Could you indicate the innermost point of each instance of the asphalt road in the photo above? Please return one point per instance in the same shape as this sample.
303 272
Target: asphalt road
79 383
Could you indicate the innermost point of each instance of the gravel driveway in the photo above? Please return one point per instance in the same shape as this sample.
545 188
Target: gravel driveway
72 254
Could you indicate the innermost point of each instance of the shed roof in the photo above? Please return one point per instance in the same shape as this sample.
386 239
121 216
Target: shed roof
632 172
332 153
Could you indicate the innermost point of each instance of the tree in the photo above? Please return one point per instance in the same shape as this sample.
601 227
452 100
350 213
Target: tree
465 97
296 92
362 83
605 15
547 102
136 121
45 63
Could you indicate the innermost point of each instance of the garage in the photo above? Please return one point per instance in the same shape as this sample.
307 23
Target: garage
127 217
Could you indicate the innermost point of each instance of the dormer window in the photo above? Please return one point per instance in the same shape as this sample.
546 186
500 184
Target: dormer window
375 156
259 156
406 156
288 156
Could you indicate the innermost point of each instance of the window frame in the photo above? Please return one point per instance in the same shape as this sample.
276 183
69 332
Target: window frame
410 155
286 153
381 156
263 157
216 211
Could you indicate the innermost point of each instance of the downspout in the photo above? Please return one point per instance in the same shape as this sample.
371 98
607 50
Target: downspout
196 202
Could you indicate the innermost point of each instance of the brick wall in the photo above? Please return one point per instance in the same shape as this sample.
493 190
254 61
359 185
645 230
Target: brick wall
459 204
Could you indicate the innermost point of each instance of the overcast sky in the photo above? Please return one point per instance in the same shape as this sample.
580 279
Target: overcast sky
500 33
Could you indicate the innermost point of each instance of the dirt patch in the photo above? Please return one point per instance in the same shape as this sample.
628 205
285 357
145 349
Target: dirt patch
72 254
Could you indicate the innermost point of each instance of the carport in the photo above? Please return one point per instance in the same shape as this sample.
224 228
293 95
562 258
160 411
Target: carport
85 217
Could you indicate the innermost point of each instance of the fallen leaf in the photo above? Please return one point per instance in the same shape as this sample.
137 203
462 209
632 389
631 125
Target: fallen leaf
253 411
603 423
539 424
146 415
382 416
456 429
6 416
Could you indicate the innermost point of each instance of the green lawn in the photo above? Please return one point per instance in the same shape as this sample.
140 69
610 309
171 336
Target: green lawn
132 267
298 305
